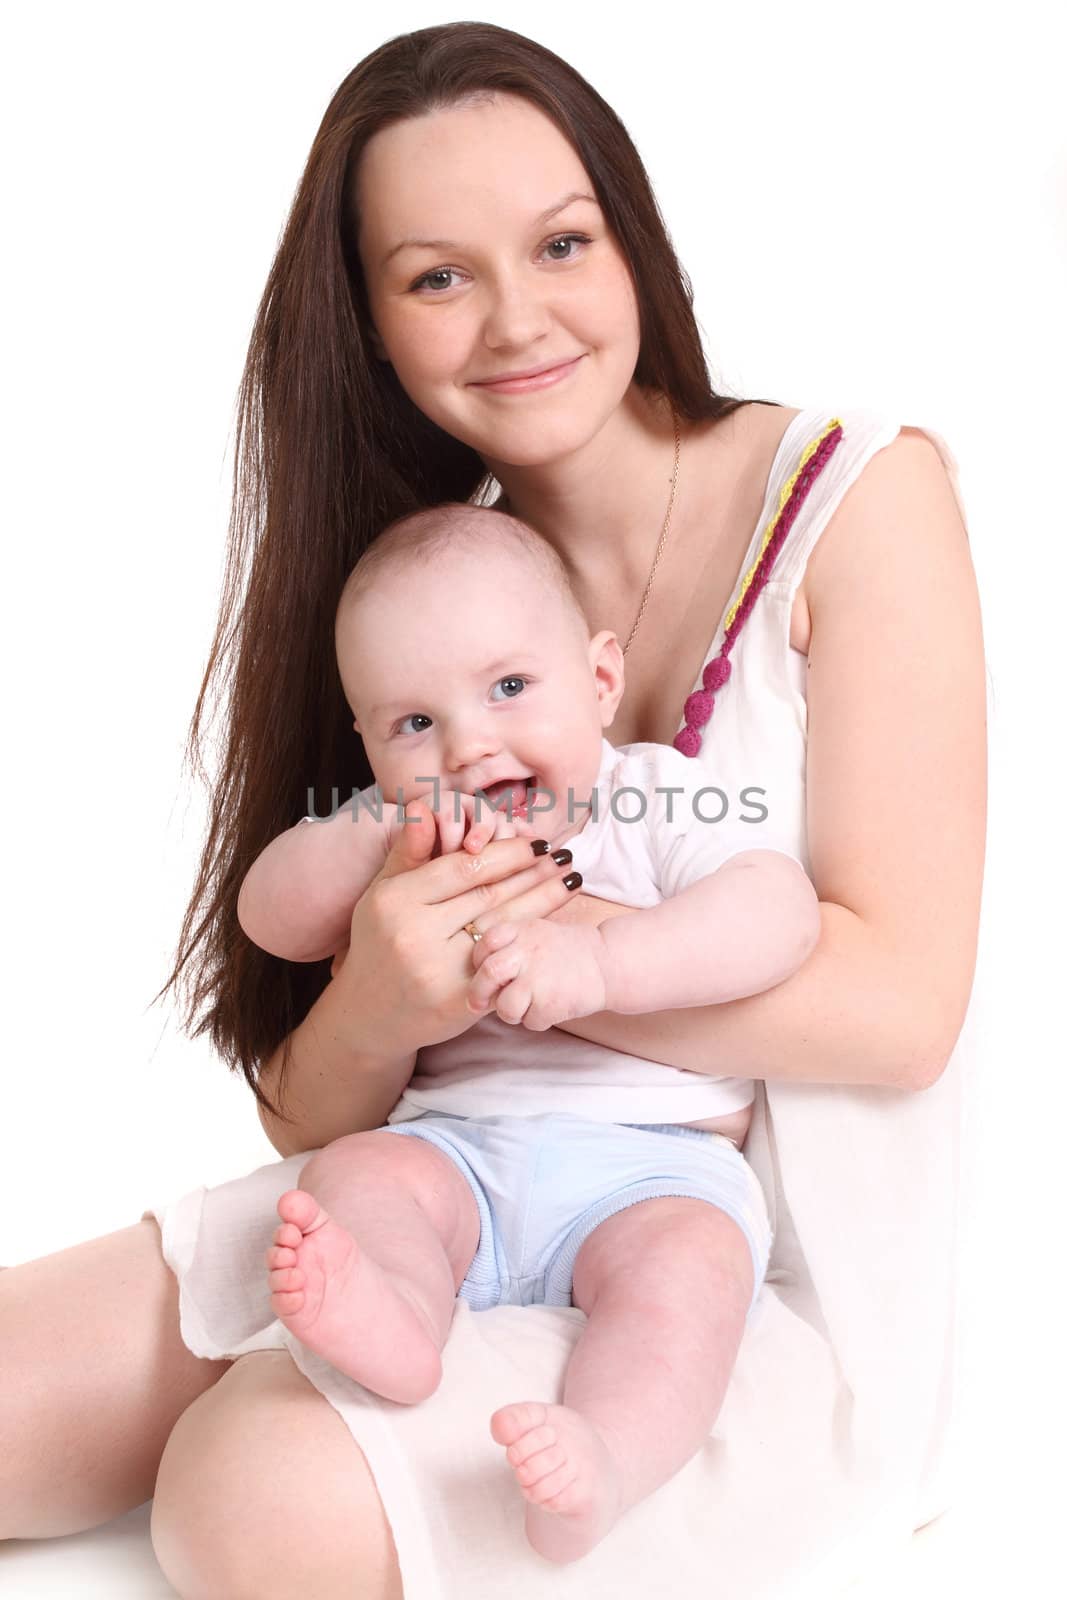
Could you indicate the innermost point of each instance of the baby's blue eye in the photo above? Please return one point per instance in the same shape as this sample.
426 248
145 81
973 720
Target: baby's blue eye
416 716
510 693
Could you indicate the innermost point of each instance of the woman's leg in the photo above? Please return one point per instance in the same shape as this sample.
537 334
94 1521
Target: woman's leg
93 1377
666 1286
263 1494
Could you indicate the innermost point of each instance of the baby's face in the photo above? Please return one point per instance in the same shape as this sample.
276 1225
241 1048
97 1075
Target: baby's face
473 672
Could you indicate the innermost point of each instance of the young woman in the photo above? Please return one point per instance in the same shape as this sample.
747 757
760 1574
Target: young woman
475 287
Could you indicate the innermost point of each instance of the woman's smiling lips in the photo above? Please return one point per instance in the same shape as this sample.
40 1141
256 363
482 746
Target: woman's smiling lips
522 382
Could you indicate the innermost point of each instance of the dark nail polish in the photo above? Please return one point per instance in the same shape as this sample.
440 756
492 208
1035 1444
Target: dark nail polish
539 847
561 857
572 880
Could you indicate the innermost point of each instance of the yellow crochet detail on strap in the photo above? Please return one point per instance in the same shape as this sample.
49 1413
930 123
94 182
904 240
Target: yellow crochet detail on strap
783 501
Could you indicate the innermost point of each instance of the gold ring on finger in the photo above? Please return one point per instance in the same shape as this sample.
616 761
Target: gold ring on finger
469 927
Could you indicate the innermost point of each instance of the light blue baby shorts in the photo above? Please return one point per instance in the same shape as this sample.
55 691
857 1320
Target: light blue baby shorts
542 1184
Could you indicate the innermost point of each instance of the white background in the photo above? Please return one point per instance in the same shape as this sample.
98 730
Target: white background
870 202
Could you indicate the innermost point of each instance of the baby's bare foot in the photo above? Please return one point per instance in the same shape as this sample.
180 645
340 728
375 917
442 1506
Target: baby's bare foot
567 1473
341 1304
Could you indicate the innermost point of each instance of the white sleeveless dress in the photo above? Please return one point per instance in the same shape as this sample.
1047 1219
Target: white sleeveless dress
831 1446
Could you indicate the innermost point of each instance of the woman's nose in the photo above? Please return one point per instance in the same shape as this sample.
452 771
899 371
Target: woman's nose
516 314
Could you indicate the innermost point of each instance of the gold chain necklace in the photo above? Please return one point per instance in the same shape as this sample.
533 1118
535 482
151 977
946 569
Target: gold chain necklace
663 535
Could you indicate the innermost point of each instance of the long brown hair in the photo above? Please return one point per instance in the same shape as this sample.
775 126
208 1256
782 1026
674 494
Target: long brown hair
328 451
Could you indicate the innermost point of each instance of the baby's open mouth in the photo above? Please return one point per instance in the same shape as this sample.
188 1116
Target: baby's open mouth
517 788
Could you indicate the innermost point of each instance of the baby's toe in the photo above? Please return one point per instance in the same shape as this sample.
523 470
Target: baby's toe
540 1464
299 1208
510 1422
288 1235
552 1488
531 1443
286 1279
287 1304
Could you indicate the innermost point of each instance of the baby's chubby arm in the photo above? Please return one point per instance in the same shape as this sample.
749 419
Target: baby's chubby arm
297 898
743 929
738 931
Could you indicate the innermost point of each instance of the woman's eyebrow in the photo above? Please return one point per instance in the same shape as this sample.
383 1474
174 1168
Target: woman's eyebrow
450 244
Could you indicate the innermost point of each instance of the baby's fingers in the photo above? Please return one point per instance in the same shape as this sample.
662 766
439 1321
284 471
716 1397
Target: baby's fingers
511 997
488 977
450 829
480 833
493 939
505 828
513 1001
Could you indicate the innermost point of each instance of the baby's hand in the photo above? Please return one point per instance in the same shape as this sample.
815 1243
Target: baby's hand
476 826
540 973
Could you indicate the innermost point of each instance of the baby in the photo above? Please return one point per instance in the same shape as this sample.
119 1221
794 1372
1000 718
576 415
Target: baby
538 1166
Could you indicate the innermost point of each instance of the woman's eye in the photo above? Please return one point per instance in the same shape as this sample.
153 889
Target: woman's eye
416 716
428 279
511 686
567 238
432 281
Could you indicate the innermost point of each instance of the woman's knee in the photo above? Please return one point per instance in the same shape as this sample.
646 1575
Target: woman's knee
263 1492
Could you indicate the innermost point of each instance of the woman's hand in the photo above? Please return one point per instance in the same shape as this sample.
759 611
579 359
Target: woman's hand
408 966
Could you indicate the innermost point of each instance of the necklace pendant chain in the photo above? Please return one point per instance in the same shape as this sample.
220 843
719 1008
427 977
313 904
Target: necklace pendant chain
663 535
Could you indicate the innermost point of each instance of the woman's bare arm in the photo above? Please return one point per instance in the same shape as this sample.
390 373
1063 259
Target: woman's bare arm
836 1020
896 797
331 1086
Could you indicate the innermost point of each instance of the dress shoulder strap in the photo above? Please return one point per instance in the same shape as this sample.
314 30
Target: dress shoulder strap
821 454
862 434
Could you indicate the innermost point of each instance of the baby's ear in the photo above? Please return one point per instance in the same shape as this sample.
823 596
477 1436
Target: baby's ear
605 658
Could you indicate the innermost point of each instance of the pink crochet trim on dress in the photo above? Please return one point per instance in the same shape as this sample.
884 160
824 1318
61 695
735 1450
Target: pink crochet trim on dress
700 704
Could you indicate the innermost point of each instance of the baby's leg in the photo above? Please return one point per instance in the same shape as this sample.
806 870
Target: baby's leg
371 1250
666 1285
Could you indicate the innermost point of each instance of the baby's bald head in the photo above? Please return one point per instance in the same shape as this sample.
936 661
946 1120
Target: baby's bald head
430 539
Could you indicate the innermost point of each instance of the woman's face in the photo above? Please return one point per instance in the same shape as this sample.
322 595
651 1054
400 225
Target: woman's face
469 278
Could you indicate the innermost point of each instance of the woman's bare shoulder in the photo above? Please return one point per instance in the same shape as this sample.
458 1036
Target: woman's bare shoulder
906 473
910 459
761 428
